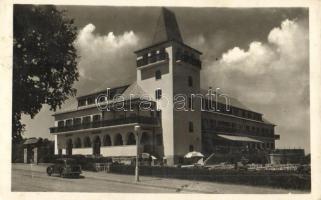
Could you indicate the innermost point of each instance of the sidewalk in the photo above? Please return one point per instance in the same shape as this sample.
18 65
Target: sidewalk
177 184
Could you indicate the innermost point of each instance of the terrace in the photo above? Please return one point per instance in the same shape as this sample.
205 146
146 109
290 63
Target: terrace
106 123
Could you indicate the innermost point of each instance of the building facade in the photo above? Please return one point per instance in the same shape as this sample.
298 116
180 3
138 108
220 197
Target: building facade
180 117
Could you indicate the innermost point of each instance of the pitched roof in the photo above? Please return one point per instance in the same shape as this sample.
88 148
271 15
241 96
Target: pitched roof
166 28
233 101
133 91
112 91
32 141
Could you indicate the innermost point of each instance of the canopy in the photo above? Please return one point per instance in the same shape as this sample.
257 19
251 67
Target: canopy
193 154
238 138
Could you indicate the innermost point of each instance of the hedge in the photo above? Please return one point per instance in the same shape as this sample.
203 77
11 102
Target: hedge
276 179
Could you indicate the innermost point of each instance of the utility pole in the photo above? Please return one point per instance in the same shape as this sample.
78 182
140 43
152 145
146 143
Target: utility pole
137 132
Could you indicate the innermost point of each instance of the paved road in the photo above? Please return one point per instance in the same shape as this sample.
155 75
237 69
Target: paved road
33 178
36 181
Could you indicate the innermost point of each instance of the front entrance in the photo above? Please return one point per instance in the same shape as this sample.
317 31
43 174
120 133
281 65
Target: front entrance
96 146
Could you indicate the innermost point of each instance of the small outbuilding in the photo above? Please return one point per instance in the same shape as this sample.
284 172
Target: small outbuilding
31 150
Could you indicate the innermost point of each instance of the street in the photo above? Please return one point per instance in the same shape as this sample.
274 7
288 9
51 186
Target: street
33 178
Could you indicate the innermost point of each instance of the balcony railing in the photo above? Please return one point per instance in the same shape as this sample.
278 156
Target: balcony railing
227 130
152 59
188 59
106 123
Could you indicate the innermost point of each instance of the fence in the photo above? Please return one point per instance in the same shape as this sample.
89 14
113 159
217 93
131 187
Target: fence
289 180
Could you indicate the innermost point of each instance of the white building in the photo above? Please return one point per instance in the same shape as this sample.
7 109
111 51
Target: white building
165 69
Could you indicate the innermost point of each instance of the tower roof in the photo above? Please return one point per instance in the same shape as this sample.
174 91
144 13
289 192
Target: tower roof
167 28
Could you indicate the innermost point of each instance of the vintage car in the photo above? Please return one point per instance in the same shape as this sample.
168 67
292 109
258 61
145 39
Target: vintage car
64 167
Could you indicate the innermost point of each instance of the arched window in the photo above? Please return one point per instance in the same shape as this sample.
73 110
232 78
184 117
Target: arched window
107 141
96 145
191 148
131 139
118 140
87 142
190 81
78 143
158 74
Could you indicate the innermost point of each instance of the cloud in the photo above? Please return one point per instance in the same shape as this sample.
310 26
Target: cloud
105 60
271 76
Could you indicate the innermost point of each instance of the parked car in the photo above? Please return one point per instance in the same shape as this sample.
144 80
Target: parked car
64 167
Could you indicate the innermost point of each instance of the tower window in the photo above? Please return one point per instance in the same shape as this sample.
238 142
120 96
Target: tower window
190 81
158 74
190 103
158 94
191 148
190 127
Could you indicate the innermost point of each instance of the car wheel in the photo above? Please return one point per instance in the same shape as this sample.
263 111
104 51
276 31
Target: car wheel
49 171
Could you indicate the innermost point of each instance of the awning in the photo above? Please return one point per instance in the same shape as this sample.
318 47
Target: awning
238 138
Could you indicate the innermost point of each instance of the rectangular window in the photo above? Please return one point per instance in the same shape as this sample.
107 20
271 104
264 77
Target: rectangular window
90 100
61 123
190 103
68 122
86 120
82 102
190 127
158 75
96 118
158 94
77 121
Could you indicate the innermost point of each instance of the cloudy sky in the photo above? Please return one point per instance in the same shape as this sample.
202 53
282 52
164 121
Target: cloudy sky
258 55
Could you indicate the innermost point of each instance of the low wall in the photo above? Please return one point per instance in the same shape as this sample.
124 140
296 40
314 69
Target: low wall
82 151
114 151
288 180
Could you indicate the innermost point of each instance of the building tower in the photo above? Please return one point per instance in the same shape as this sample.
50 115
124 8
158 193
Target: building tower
168 69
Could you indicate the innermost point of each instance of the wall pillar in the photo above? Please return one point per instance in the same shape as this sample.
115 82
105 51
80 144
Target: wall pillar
124 137
35 155
25 155
56 145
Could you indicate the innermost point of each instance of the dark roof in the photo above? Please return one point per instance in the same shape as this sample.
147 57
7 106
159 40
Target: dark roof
166 28
233 101
114 91
132 91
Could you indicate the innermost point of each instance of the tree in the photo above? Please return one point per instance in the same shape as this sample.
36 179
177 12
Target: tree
44 61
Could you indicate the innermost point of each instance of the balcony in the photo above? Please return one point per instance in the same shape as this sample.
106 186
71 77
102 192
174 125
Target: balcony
235 131
106 123
188 59
152 59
